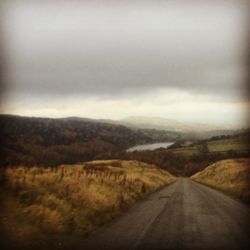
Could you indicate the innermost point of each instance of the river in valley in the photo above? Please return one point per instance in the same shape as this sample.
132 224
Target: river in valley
151 146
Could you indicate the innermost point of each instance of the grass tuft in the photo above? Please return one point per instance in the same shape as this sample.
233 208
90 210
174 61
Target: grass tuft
73 199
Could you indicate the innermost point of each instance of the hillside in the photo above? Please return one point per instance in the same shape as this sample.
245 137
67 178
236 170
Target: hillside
168 124
71 200
220 144
46 141
182 160
51 142
231 176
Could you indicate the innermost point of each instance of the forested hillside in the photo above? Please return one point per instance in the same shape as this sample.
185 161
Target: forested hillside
45 141
51 142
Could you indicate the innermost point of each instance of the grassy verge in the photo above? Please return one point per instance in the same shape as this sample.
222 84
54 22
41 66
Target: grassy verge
231 176
71 199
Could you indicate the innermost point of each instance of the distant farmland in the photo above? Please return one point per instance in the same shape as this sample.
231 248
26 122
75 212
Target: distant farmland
216 146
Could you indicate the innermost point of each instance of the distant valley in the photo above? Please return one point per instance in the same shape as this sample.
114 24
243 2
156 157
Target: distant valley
70 176
186 129
50 142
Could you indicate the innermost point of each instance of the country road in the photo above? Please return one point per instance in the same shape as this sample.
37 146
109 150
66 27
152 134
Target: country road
184 215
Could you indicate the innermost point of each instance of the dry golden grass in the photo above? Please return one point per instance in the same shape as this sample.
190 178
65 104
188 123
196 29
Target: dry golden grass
231 176
74 198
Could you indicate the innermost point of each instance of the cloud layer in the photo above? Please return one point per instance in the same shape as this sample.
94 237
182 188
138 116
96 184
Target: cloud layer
123 51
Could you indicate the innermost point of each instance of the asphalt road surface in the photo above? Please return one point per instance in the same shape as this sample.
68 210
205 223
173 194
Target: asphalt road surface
184 215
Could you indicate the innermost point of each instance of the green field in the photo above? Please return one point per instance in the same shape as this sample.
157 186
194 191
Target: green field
228 144
216 146
186 151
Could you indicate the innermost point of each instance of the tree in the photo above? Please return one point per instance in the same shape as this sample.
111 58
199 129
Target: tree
203 149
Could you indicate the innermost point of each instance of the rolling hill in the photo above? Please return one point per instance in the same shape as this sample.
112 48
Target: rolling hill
231 176
188 129
166 124
69 201
46 141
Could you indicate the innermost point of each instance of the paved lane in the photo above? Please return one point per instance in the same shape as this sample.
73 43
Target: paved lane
184 215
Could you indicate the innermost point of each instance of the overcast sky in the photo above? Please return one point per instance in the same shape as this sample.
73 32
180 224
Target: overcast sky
175 59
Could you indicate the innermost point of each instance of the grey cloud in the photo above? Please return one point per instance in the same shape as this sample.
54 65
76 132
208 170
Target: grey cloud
108 51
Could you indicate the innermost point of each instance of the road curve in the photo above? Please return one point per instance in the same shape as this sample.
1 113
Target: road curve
184 215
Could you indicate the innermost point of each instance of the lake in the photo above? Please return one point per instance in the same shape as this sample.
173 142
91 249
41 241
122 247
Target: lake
151 146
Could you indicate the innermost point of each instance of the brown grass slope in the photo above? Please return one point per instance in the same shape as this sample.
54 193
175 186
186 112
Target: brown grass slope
231 176
72 199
